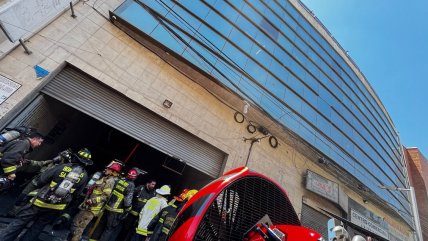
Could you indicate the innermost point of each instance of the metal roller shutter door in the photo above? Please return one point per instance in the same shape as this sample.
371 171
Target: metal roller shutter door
32 114
315 220
81 91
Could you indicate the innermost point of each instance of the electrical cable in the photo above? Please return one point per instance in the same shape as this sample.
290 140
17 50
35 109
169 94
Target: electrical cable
173 11
270 96
98 53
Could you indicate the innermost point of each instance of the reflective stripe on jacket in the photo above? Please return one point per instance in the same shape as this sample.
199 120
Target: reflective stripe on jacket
101 192
121 197
162 223
141 196
150 210
13 153
50 180
9 169
42 204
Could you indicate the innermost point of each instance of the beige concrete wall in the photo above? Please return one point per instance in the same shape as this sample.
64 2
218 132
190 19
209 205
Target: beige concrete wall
93 44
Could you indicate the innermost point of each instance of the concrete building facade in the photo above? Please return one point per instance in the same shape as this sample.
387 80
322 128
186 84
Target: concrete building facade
272 90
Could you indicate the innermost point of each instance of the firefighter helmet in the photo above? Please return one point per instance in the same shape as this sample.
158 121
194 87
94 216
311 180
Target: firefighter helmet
84 156
164 190
190 194
132 174
117 167
117 161
182 196
340 233
358 238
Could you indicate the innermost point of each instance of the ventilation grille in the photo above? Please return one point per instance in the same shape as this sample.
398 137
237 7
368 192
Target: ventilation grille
241 205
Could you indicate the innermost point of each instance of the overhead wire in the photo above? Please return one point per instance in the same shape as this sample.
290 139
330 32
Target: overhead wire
172 31
97 52
312 132
59 43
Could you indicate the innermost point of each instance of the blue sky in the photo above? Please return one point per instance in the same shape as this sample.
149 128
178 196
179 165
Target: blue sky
388 39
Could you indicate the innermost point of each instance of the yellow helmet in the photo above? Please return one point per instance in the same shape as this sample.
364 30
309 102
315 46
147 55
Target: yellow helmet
85 153
182 196
84 156
190 194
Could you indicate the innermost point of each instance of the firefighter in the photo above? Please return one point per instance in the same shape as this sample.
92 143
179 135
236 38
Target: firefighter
142 194
150 210
95 200
59 186
30 189
13 155
119 204
161 224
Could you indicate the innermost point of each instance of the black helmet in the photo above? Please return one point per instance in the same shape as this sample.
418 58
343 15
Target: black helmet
84 156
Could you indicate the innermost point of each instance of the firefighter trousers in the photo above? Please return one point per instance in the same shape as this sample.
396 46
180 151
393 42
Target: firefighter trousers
113 227
40 216
80 221
128 227
138 237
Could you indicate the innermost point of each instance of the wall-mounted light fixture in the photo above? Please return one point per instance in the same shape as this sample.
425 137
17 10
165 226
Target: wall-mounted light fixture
322 160
246 107
365 201
167 103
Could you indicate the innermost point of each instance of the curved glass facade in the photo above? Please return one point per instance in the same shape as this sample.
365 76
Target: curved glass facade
267 52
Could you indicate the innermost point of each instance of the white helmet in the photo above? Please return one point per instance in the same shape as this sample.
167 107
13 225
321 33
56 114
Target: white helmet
340 233
358 238
164 190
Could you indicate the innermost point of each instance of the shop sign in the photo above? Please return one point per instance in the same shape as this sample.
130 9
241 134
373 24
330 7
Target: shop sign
7 88
367 224
322 186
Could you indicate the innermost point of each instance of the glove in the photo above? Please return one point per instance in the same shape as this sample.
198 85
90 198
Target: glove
57 160
65 155
47 162
89 202
23 162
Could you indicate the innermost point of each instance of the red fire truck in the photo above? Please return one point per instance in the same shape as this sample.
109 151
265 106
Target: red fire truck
241 205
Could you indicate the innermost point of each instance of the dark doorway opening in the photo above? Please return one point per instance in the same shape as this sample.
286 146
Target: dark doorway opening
66 127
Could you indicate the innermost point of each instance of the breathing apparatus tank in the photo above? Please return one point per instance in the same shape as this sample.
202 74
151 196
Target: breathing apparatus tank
9 136
64 188
97 176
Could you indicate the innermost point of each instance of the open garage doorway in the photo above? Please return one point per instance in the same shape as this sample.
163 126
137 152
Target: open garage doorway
74 129
66 127
75 110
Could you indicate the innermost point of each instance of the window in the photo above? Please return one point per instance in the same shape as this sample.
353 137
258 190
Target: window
271 30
